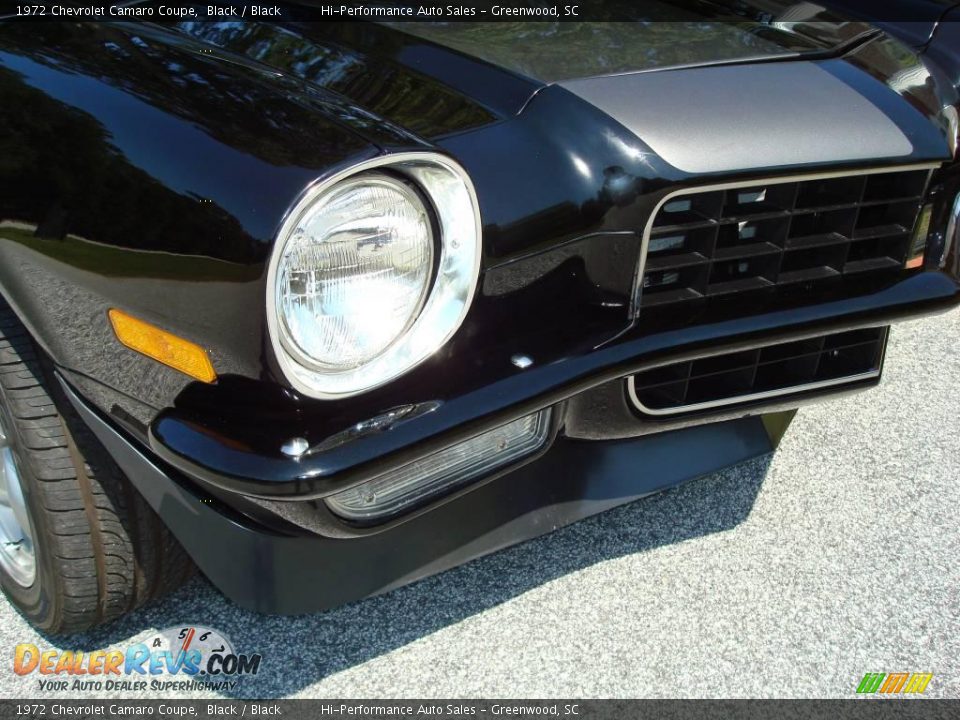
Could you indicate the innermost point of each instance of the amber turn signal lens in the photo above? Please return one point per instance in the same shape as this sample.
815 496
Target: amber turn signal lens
183 355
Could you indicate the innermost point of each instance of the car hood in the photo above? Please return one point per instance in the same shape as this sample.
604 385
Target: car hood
837 91
437 79
551 52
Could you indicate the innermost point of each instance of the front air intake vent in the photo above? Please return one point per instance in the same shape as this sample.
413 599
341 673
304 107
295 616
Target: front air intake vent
752 375
778 235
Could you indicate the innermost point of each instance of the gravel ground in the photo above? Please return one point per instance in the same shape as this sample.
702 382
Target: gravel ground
790 575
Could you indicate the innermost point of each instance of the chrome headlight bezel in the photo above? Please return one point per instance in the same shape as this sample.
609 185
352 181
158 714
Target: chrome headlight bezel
452 200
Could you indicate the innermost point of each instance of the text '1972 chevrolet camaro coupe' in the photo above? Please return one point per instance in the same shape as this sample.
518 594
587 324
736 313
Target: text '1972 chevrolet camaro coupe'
325 308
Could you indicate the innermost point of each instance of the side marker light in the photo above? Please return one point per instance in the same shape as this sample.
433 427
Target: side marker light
166 348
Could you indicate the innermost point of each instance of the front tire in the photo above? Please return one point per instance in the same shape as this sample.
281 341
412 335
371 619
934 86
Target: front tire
98 549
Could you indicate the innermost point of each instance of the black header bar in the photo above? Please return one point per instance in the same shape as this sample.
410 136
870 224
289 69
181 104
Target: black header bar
768 11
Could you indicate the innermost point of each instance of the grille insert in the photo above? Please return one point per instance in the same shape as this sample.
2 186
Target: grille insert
780 234
749 375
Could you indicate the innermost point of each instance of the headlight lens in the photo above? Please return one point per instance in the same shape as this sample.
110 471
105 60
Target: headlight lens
373 271
355 273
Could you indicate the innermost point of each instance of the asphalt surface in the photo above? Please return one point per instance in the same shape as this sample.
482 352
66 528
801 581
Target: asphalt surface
791 575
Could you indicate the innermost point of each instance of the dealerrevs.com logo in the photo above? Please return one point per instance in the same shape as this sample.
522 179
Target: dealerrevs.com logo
178 658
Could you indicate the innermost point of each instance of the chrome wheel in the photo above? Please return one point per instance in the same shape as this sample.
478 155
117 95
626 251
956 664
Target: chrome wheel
17 556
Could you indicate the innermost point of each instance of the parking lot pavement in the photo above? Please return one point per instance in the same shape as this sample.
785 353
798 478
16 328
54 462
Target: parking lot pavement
790 575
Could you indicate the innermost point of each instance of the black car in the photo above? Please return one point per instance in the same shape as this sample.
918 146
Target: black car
916 22
324 308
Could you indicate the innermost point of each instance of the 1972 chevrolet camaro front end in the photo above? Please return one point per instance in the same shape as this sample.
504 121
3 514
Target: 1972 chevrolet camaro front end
350 304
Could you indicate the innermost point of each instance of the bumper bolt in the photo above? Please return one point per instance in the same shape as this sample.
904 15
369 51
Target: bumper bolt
295 447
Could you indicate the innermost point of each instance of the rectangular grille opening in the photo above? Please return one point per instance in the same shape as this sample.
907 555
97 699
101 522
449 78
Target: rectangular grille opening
744 273
724 363
751 375
675 372
785 351
877 254
676 284
813 263
895 186
759 200
845 361
789 371
689 209
827 193
886 219
680 248
668 394
796 236
748 233
819 223
851 337
704 389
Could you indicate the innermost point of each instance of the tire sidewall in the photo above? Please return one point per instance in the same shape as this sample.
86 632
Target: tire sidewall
38 601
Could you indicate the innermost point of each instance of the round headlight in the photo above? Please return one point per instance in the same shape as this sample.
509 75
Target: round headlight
372 272
355 273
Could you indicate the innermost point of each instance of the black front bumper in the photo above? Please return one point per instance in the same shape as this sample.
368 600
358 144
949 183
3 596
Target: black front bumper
263 570
235 509
241 454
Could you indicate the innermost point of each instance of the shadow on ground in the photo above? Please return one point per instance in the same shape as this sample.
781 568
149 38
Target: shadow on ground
300 651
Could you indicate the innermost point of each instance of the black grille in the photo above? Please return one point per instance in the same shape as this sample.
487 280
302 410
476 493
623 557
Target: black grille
772 370
780 236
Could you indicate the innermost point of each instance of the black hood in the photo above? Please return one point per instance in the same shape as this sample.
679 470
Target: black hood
649 35
435 79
